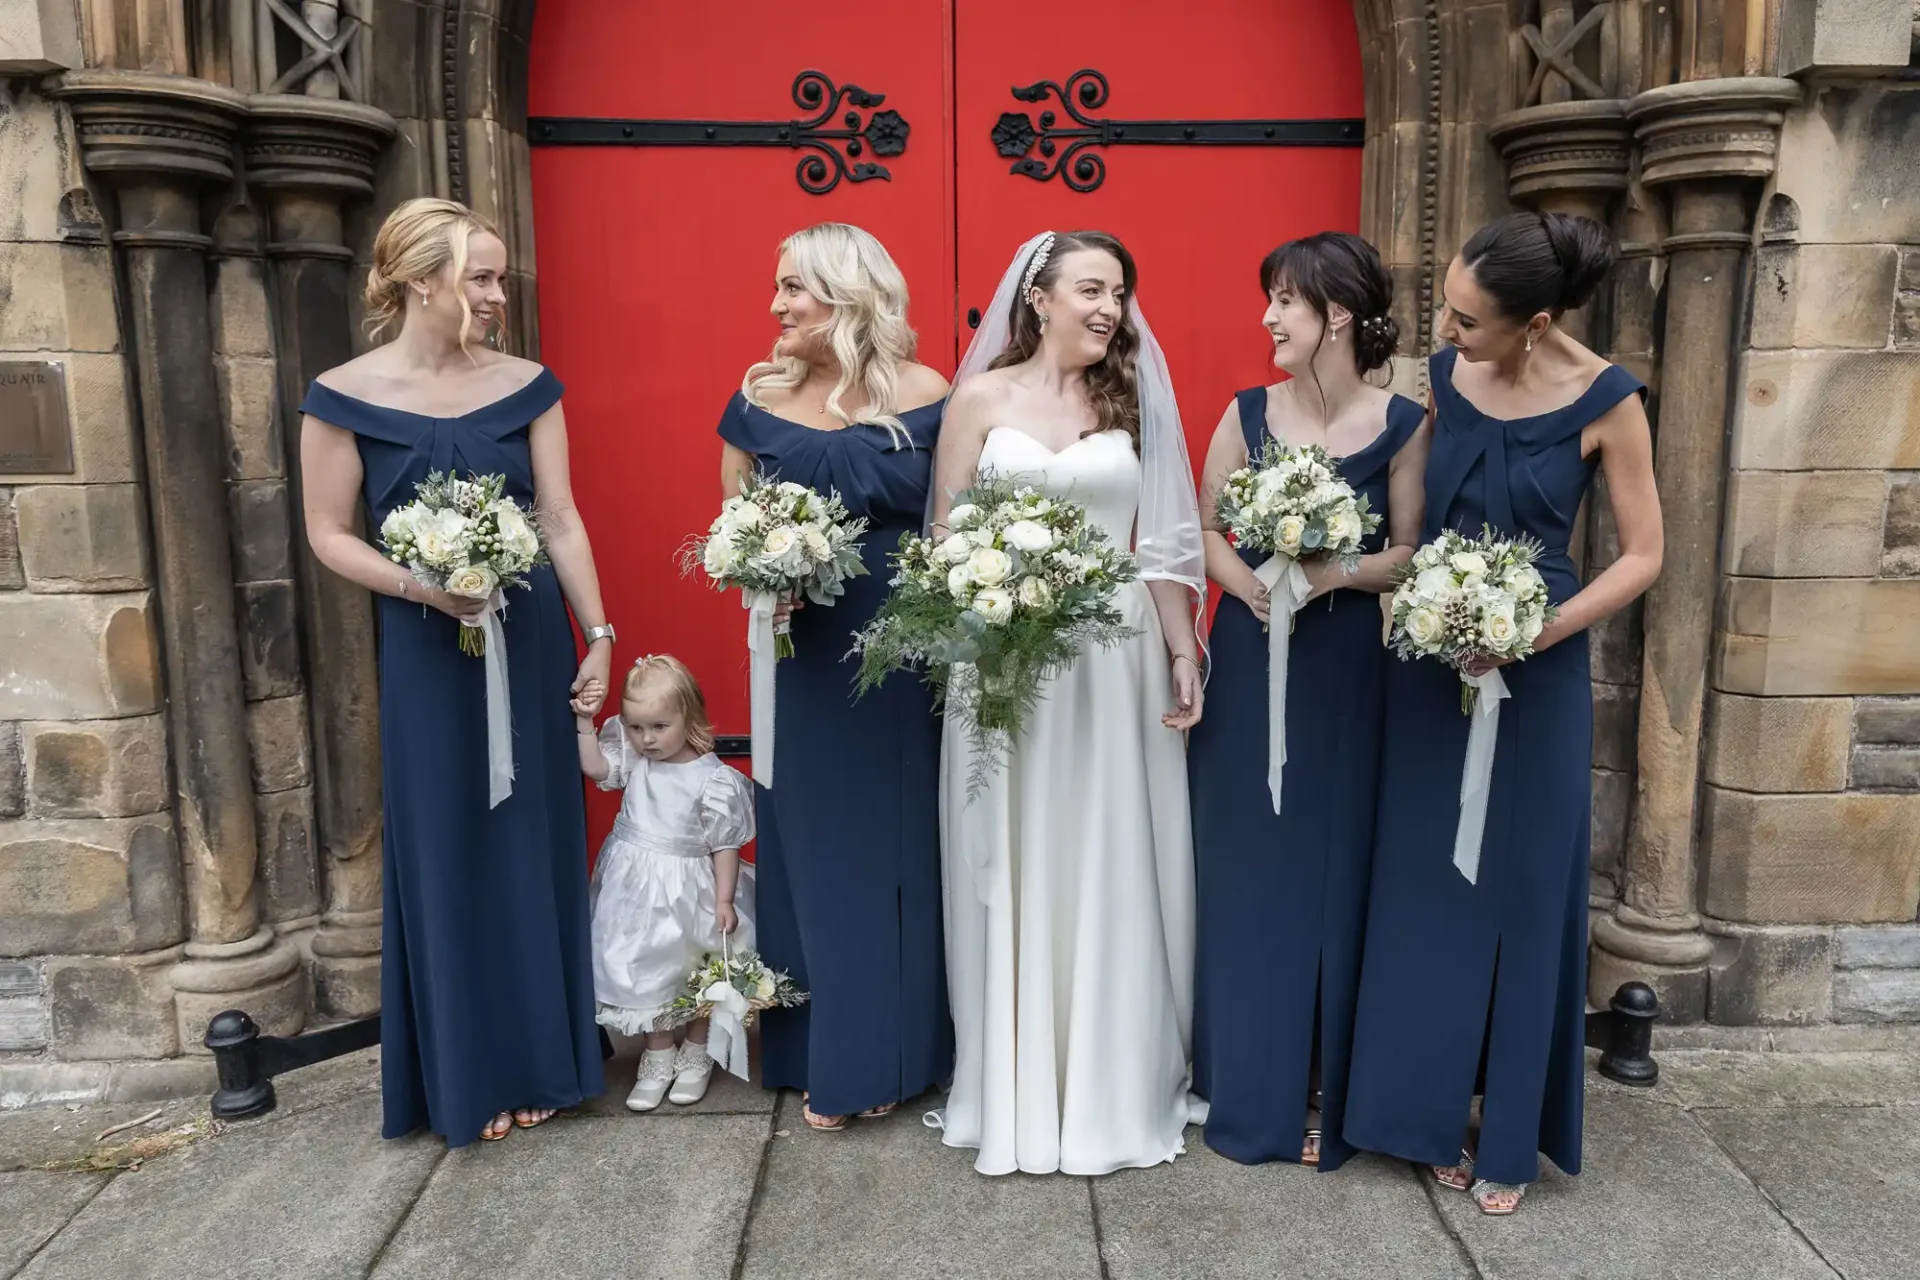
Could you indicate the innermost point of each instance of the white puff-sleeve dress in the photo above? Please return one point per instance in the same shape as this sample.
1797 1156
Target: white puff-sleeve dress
654 895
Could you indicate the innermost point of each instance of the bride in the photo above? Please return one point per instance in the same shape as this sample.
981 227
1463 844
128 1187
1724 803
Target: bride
1069 879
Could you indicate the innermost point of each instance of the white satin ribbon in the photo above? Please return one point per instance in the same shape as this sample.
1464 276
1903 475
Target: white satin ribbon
1287 592
1476 779
499 705
763 660
727 1027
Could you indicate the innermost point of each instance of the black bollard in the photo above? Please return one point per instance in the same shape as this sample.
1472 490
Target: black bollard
245 1089
1628 1056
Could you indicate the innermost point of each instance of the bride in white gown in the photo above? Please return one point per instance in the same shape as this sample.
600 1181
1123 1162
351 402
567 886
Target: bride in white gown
1069 878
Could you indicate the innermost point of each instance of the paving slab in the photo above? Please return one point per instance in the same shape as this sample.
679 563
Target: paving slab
33 1206
1849 1177
885 1199
1708 1078
726 1094
1657 1198
1207 1218
587 1197
310 1198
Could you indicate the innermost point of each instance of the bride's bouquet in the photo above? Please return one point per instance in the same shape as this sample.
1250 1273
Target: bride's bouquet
1292 503
1460 599
465 537
778 541
1463 598
1020 586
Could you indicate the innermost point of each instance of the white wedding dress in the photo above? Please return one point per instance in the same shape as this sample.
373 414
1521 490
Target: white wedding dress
1069 888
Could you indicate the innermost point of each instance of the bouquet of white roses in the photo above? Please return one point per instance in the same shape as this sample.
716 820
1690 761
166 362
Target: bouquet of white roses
777 541
468 538
1460 599
1019 586
1463 598
1293 503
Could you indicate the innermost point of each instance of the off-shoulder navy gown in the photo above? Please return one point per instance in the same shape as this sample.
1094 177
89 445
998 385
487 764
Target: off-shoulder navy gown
486 977
848 859
1283 898
1467 987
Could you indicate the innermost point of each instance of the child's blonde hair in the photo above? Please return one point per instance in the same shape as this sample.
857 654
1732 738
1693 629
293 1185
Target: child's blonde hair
661 667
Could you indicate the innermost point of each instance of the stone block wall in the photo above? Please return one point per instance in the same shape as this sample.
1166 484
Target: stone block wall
1811 817
91 891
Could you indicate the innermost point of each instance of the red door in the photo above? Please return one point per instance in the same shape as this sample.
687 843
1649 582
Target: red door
663 181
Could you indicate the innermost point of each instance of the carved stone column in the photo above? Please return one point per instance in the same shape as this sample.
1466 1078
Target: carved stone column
309 156
1710 142
1567 157
160 141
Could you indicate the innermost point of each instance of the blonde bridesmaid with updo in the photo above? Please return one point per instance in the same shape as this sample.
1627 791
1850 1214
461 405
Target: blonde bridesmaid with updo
487 1013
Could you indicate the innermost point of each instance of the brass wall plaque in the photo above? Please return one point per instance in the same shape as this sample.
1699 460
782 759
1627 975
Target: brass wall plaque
35 436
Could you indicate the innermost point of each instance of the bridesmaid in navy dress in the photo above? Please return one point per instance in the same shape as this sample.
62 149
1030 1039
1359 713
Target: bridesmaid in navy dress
848 858
487 1014
1469 988
1282 898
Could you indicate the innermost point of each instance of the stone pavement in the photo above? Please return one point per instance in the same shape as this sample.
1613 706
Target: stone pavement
1743 1165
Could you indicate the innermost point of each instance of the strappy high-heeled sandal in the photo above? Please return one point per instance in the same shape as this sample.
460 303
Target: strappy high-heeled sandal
488 1135
1457 1177
874 1113
532 1124
819 1123
1484 1191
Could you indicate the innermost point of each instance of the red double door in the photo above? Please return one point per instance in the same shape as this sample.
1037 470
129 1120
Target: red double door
675 145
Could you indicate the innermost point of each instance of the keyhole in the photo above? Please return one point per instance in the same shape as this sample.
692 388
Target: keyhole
973 317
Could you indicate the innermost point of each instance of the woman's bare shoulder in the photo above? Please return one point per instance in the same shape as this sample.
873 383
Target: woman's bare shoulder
920 385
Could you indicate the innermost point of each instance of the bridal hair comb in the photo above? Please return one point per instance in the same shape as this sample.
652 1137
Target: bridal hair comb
1035 266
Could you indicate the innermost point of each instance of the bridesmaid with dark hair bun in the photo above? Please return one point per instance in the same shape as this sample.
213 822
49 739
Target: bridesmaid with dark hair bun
1480 987
1284 894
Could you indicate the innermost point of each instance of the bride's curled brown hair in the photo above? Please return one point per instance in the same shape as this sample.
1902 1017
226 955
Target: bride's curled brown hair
1112 387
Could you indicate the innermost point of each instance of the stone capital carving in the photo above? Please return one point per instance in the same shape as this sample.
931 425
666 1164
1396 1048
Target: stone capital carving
1705 130
137 127
320 145
1566 155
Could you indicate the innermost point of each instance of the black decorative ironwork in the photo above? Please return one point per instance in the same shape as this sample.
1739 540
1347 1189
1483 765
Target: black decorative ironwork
733 746
834 153
1065 150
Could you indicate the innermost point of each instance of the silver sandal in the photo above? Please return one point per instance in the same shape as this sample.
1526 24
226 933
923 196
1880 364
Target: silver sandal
1463 1171
1483 1191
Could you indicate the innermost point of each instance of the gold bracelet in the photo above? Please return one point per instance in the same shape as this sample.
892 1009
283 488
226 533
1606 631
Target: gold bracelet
1189 657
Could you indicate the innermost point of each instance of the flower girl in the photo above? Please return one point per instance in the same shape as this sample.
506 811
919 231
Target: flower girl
669 881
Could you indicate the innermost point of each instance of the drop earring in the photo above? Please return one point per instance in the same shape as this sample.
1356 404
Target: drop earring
1529 343
1043 322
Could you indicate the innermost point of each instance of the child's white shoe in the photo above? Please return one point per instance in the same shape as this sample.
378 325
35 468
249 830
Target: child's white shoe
691 1072
656 1076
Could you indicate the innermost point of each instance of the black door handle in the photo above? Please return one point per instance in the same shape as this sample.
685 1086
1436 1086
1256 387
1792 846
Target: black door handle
973 317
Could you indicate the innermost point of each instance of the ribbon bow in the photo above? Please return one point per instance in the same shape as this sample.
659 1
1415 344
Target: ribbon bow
1287 592
1476 777
499 705
763 657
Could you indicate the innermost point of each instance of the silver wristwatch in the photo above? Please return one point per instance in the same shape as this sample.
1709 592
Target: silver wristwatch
602 632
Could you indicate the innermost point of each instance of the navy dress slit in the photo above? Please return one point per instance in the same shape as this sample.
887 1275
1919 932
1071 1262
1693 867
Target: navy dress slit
486 979
1467 987
848 858
1282 899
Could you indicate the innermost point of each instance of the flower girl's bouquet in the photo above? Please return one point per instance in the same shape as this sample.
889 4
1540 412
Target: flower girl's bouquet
1020 585
730 990
778 541
468 538
1458 600
1292 504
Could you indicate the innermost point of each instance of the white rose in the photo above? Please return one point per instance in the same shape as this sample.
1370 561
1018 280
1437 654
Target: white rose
764 985
1343 526
788 489
441 538
1498 630
779 541
989 567
475 581
1287 534
1035 594
818 548
398 527
1028 535
1435 583
719 557
742 514
956 548
959 582
1531 625
961 514
516 535
1425 627
995 605
1469 563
